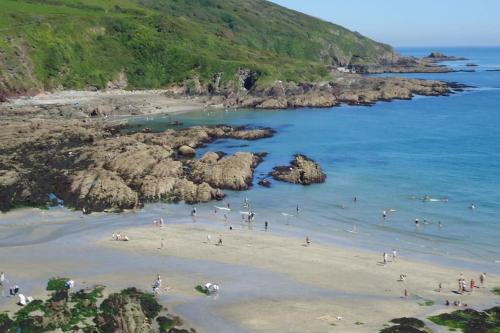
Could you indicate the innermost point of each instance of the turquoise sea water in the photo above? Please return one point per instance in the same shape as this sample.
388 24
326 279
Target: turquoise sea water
389 156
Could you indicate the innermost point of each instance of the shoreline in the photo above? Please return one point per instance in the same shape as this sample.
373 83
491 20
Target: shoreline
351 274
262 275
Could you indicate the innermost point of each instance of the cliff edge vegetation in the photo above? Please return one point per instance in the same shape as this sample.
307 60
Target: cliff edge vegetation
144 44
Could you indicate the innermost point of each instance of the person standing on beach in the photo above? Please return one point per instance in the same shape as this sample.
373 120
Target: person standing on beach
482 277
161 243
472 285
384 256
265 226
394 255
2 278
220 240
308 241
209 238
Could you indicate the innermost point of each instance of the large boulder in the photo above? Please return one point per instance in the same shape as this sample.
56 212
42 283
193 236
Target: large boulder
302 170
229 172
98 190
129 311
186 151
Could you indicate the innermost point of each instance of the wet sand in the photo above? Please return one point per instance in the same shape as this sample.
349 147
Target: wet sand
363 289
269 282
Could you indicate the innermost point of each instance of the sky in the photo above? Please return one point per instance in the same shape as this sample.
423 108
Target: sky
412 23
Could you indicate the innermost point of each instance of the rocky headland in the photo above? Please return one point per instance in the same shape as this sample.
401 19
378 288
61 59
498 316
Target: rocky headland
302 170
96 167
346 88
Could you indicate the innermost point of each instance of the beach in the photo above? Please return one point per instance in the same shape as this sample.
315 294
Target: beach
263 275
357 285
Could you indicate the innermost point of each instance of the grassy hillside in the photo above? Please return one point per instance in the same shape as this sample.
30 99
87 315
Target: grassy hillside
47 44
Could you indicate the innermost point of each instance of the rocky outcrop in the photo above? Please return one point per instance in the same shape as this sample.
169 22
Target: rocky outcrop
302 171
127 311
98 168
439 56
225 172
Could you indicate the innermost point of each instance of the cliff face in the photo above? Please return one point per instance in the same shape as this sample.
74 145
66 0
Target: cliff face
46 45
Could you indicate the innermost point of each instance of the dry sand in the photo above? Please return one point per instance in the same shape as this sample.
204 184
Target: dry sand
367 293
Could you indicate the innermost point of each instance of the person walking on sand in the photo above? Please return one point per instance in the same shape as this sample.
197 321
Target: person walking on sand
265 226
440 286
394 255
482 277
220 240
209 238
384 256
161 243
308 241
406 293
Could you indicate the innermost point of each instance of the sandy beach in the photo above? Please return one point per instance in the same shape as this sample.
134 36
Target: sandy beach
355 285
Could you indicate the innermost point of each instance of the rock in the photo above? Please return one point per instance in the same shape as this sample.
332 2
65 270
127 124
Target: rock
129 311
186 151
229 172
98 190
100 167
265 183
301 171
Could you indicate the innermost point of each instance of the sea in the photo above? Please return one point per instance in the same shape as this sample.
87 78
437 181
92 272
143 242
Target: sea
389 156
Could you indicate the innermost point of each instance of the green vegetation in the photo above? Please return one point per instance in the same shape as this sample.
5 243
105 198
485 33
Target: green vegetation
426 302
496 291
57 284
406 324
77 44
201 289
165 323
470 321
79 309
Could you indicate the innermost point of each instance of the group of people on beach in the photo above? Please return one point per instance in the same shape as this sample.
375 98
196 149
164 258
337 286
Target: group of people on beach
462 283
120 237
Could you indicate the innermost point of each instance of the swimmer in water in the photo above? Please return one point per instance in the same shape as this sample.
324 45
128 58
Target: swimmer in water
417 222
297 209
384 214
472 206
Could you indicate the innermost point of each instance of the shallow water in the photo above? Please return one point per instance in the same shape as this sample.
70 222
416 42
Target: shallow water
389 155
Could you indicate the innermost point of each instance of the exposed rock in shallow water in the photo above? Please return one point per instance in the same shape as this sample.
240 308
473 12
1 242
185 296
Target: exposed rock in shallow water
228 172
302 170
96 167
